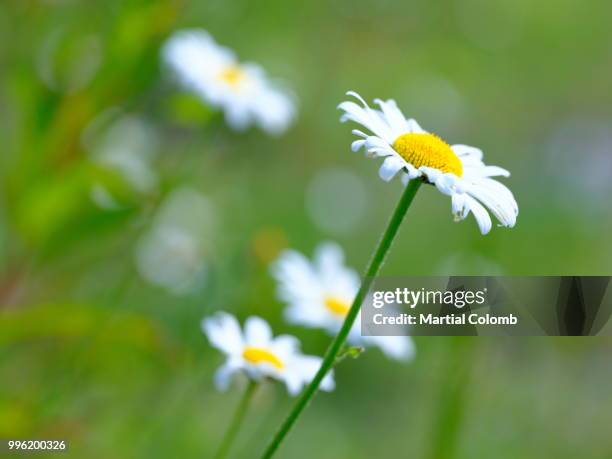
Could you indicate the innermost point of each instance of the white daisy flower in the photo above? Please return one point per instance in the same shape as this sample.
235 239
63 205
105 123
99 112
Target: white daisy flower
172 253
319 294
256 353
171 257
128 147
241 90
456 170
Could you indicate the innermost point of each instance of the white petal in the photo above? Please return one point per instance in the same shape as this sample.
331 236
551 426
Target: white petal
307 314
390 166
394 116
480 214
257 332
328 256
492 171
254 71
357 96
223 332
334 277
374 141
373 120
395 347
237 116
467 151
432 174
498 203
223 376
414 127
194 56
458 205
486 171
294 382
500 188
412 171
357 144
470 164
445 183
328 383
274 110
308 366
382 151
285 345
295 275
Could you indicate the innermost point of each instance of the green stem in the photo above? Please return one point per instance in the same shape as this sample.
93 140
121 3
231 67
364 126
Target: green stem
234 426
332 351
452 398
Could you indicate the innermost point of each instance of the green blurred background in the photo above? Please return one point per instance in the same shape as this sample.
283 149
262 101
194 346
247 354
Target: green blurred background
92 352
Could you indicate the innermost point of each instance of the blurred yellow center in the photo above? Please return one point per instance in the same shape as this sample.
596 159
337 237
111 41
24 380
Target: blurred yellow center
258 355
337 305
233 76
422 149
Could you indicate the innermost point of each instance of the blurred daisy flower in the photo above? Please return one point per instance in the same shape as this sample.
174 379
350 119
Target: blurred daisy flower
171 254
319 294
456 170
127 145
241 90
257 354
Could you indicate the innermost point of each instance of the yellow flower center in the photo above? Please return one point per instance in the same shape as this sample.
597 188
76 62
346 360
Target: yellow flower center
258 355
422 149
337 305
233 76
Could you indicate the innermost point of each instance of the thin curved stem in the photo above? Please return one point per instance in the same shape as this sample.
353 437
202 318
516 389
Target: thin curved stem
236 422
332 351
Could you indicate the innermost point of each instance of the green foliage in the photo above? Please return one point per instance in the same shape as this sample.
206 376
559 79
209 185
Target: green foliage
91 352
